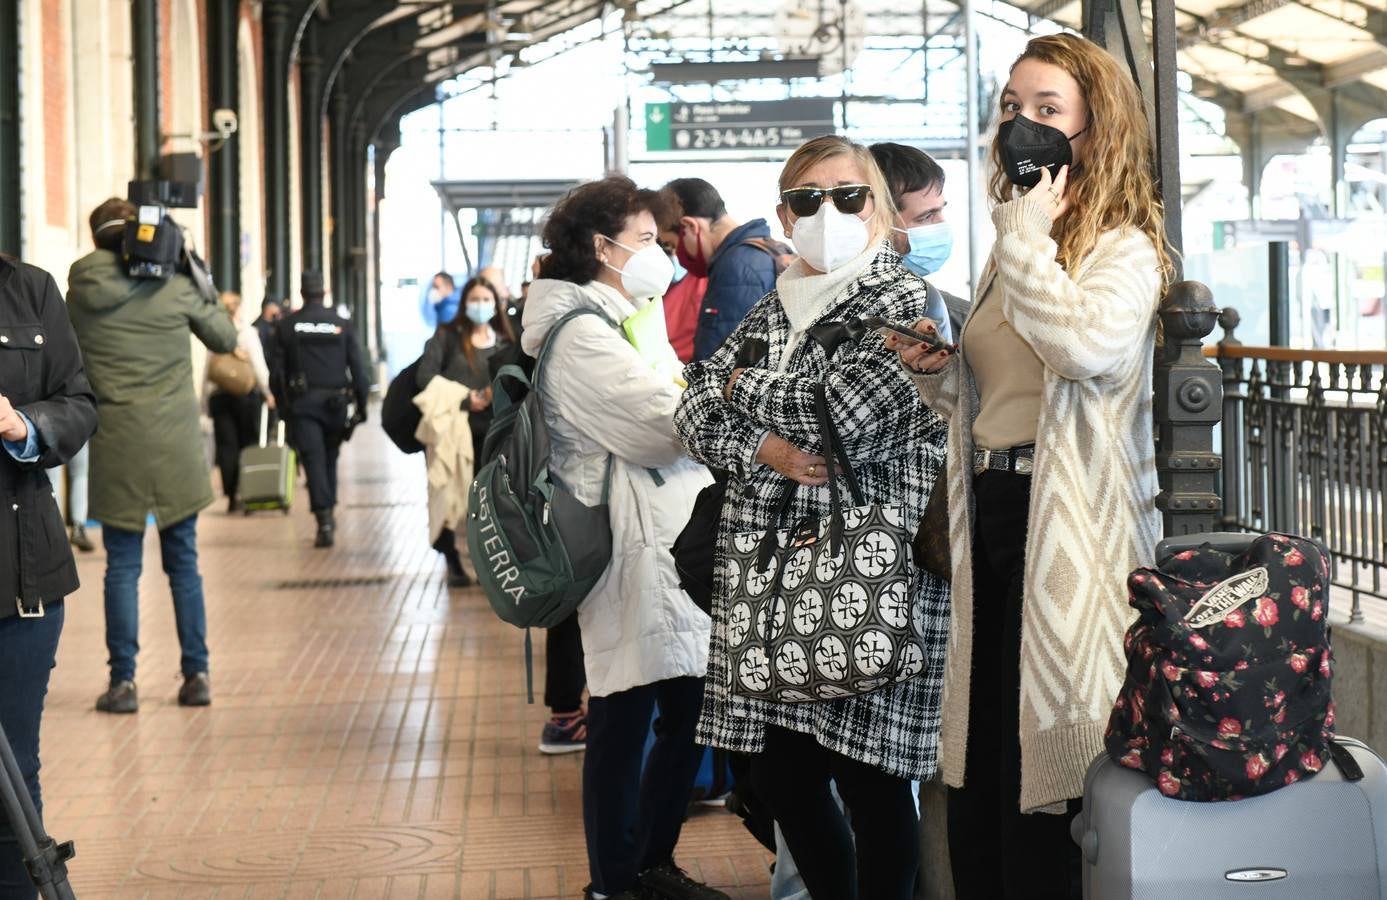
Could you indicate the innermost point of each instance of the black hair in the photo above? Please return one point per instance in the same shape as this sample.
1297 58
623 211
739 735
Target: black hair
598 207
697 199
907 169
446 277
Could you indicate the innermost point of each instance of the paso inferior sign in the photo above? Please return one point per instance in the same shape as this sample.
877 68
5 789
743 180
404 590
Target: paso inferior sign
771 124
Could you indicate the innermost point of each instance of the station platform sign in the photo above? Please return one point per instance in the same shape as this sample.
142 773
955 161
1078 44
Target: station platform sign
752 125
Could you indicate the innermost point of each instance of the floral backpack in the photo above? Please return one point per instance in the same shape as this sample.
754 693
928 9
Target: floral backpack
1227 692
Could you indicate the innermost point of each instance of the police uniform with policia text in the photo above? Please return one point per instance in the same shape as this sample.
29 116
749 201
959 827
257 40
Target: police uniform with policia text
318 374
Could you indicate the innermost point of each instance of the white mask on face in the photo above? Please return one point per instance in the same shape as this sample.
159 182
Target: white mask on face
647 273
829 238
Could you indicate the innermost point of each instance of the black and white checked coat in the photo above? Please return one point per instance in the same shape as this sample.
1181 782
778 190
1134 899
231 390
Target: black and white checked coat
896 445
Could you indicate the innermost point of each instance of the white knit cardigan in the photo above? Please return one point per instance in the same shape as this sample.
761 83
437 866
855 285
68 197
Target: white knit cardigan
1092 510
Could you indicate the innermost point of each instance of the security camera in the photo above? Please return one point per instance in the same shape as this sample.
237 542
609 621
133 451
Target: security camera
225 122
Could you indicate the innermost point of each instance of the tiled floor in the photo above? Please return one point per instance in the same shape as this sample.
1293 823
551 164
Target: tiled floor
369 735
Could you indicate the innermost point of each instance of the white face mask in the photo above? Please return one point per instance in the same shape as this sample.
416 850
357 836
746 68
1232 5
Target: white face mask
647 273
829 238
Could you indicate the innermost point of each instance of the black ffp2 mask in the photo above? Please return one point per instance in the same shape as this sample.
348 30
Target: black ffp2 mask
1027 147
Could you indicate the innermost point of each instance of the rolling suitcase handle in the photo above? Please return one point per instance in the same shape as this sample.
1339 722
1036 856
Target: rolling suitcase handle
265 428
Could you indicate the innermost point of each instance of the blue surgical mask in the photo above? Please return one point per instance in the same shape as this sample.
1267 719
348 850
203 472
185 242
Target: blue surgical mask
679 270
930 246
481 313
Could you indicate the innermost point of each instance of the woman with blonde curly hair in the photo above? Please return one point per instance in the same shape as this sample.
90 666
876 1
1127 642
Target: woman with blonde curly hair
1051 463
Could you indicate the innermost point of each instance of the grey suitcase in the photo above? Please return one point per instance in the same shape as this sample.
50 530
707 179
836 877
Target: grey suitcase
1324 838
267 471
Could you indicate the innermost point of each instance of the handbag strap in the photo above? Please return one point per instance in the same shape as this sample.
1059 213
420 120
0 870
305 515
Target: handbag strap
836 459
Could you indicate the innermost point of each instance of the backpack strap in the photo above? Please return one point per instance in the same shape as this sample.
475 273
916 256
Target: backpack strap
543 356
1343 758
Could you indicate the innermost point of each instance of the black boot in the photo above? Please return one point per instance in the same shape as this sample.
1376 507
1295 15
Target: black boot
447 545
326 527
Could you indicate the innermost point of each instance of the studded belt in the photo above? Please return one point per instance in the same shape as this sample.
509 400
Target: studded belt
1020 460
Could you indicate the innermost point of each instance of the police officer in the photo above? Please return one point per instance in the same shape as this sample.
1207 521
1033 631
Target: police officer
317 373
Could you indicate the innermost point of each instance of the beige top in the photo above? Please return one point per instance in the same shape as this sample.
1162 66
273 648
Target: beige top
1009 376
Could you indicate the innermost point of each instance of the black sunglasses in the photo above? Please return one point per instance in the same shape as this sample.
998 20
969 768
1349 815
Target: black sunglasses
805 201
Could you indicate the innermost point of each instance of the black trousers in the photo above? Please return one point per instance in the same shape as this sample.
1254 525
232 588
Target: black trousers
873 858
318 437
235 426
564 675
998 853
632 818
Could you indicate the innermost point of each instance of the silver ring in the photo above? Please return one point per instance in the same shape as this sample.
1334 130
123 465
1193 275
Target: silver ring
1054 194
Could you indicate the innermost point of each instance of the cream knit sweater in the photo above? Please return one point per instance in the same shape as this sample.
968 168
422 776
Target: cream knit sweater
1092 514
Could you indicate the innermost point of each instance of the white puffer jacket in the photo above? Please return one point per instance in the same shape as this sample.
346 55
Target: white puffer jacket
638 626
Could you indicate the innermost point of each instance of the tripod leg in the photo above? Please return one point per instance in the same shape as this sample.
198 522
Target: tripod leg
47 861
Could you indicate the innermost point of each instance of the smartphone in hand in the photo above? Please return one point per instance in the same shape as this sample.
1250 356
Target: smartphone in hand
904 333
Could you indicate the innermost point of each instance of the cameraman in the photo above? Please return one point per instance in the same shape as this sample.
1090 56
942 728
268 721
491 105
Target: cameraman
316 370
147 455
47 412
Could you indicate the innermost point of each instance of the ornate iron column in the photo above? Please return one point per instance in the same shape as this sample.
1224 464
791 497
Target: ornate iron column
311 148
144 39
1188 404
11 184
275 39
224 188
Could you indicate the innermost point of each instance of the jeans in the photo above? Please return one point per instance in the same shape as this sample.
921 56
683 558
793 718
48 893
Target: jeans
874 858
632 818
124 560
28 650
996 851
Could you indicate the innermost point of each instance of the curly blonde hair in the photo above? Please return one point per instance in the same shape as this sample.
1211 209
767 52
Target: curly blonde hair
1114 185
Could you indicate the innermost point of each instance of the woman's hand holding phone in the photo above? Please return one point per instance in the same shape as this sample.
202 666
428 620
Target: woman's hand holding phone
920 356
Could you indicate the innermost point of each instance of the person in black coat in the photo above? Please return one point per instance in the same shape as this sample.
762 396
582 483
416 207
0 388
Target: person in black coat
461 350
47 412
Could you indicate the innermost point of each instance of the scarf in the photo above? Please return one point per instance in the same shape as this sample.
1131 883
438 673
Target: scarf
805 294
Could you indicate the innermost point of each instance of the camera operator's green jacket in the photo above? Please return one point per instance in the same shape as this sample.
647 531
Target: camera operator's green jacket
147 454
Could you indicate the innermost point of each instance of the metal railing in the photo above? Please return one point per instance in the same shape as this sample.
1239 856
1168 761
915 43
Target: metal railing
1305 451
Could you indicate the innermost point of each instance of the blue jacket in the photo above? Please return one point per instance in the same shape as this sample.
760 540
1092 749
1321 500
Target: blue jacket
738 276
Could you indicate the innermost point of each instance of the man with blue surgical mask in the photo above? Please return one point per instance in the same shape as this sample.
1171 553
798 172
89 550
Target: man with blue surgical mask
921 236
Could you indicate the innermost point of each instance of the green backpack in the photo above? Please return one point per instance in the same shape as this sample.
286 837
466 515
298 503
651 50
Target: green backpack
538 551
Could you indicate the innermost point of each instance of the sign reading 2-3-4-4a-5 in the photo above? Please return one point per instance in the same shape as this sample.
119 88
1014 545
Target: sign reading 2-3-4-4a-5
768 125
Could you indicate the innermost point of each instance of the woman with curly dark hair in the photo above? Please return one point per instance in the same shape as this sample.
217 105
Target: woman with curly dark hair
611 429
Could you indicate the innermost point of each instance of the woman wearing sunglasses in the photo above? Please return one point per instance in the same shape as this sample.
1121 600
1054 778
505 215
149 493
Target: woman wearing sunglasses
761 425
1050 448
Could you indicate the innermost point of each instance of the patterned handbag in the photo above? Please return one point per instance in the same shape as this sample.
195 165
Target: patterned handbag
823 609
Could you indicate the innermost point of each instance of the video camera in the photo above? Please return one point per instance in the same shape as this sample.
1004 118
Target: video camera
154 246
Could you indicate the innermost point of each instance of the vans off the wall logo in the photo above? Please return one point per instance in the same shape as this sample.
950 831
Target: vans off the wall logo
1227 596
816 624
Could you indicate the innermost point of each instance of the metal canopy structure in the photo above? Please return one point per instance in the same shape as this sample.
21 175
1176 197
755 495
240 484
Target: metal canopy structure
363 65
